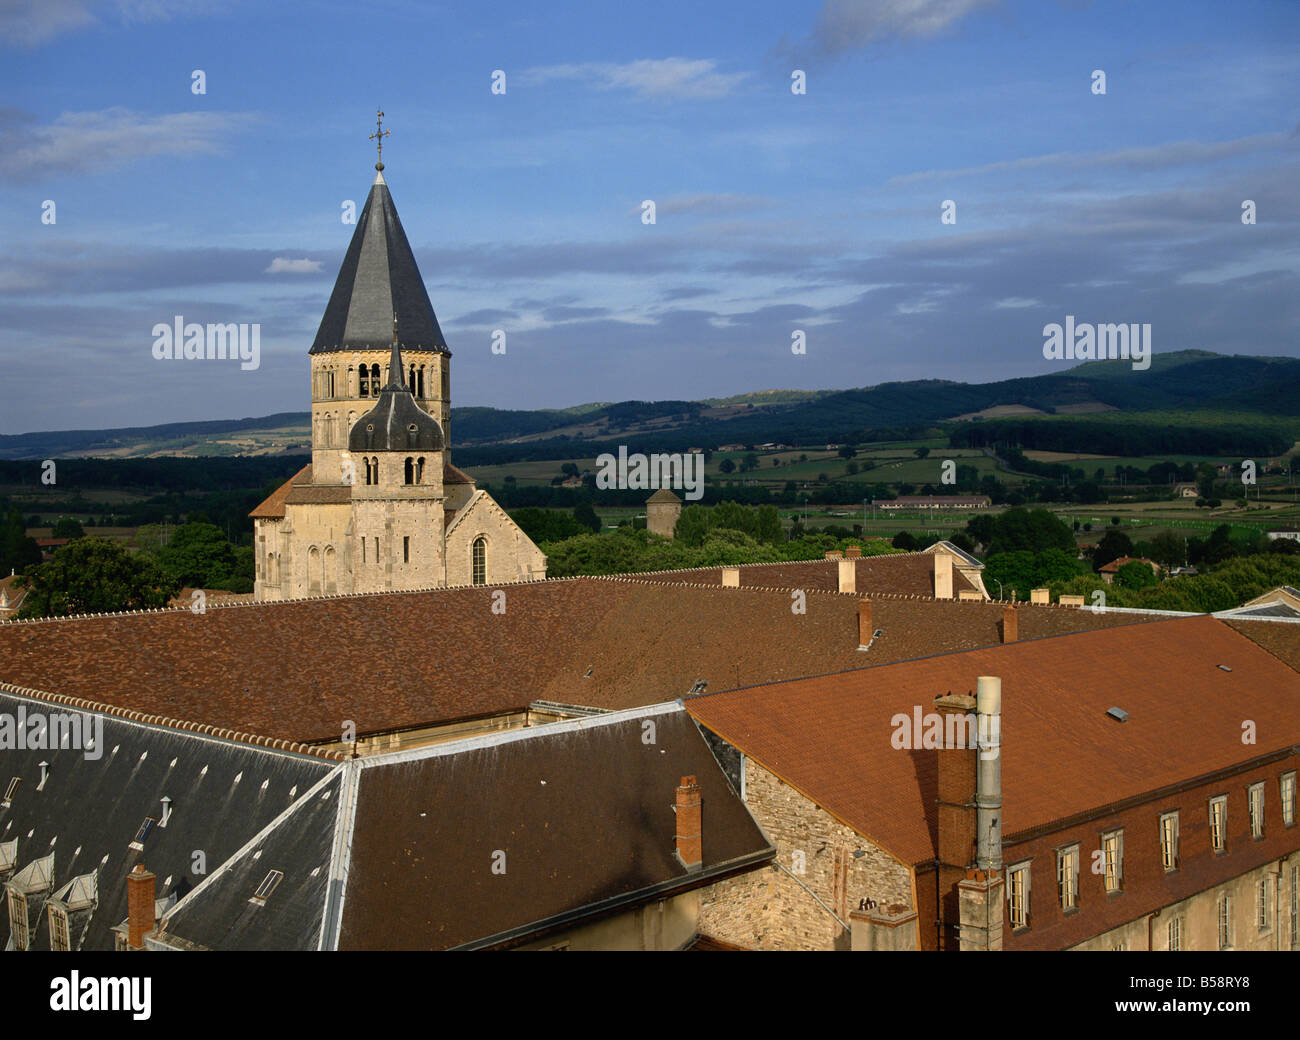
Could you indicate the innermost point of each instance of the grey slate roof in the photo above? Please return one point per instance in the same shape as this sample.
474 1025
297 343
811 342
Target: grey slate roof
379 277
89 811
222 913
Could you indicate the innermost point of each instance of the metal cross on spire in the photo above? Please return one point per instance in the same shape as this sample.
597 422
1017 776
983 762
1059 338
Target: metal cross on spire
378 137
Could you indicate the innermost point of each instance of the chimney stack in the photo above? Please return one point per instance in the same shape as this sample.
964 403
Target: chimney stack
1040 595
731 577
853 552
865 631
942 576
140 920
988 789
848 576
690 825
834 554
1010 624
957 814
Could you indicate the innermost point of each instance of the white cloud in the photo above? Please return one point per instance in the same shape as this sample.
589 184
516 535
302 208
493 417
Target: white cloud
726 202
280 265
1015 303
847 25
1146 157
81 142
30 23
661 78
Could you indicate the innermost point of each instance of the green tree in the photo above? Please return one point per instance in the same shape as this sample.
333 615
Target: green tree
197 554
17 551
95 576
1169 549
727 466
585 514
1135 575
66 527
1112 546
922 452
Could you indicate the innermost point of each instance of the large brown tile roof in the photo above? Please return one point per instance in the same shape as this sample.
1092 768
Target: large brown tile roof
297 670
830 737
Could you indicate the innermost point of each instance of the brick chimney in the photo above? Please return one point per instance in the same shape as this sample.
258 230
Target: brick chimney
690 824
1010 624
1040 595
848 576
957 815
731 577
834 554
853 552
864 622
140 920
942 576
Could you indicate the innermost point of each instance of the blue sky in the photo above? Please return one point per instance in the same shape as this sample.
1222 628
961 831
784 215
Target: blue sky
775 211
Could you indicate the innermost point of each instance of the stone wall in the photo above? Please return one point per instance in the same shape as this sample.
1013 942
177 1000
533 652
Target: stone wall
771 910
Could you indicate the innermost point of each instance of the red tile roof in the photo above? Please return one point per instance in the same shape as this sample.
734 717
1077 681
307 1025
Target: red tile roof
296 670
830 737
299 490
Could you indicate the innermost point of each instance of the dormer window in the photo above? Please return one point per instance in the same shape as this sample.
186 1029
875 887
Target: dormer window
268 885
10 791
138 841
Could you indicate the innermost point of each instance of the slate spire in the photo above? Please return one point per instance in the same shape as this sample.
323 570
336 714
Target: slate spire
378 278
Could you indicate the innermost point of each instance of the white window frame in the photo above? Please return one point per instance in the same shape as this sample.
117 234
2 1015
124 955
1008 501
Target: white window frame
1219 823
1223 907
1067 884
1169 841
1286 788
1113 860
1255 806
59 933
1261 904
1018 895
1175 934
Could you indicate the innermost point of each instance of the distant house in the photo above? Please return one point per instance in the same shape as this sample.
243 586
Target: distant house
934 502
1186 491
1109 570
1286 532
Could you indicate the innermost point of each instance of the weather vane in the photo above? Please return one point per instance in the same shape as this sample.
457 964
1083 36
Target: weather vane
378 137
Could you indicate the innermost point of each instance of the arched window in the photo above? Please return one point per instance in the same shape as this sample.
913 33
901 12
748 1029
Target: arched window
327 430
365 382
419 470
367 462
331 575
375 384
331 386
479 560
410 382
410 471
420 381
313 571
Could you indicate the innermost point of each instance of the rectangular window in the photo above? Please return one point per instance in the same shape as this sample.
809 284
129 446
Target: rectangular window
1288 799
363 550
406 548
1261 905
143 833
1169 841
1295 907
1175 934
1018 895
18 933
1067 877
1112 845
59 929
1225 922
1219 823
376 548
1255 800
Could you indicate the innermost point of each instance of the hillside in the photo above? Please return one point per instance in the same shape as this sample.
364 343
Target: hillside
1178 383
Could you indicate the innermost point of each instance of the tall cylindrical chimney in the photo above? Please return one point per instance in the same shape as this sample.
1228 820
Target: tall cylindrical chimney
988 787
